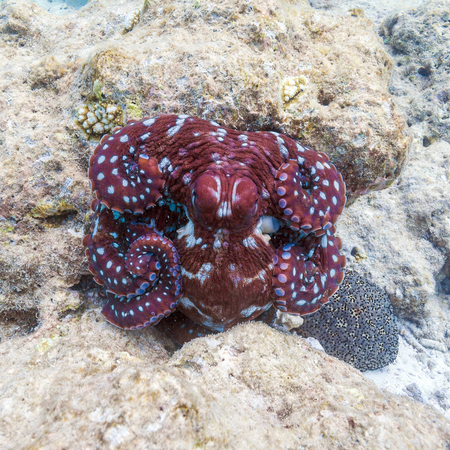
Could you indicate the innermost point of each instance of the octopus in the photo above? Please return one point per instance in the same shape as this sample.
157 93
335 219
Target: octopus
216 223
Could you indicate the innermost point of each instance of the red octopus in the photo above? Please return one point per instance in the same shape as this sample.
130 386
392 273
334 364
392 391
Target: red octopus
217 223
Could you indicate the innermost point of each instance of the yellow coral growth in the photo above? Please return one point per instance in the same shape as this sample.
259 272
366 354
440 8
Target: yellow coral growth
98 117
292 89
53 209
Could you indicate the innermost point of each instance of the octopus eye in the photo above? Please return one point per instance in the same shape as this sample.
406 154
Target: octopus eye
205 197
245 199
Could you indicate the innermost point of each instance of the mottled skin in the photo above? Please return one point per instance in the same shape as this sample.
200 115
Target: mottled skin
233 222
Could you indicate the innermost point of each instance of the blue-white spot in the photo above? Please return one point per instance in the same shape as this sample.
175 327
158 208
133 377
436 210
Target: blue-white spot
149 122
172 131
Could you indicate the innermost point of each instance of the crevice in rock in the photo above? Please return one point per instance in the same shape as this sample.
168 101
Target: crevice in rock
21 321
443 279
85 284
325 98
89 292
425 71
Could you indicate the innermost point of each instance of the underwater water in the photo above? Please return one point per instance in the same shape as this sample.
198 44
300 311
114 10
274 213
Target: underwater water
60 7
364 82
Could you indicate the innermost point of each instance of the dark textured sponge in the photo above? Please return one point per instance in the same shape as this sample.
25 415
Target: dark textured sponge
357 325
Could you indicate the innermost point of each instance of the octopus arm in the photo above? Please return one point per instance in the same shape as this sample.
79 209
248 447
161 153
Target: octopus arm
138 267
309 192
129 169
306 275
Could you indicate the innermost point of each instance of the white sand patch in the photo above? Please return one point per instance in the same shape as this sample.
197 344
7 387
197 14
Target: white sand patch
419 375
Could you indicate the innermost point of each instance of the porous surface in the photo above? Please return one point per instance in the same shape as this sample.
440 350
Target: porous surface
87 384
419 39
171 61
357 325
403 234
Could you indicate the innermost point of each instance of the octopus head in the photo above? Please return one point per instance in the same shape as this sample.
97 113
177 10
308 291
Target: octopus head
221 200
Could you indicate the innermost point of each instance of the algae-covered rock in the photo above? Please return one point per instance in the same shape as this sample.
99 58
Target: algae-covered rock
275 65
283 67
53 209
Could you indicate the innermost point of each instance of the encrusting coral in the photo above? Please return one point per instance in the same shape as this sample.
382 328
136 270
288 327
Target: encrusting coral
292 89
357 325
132 20
98 116
53 209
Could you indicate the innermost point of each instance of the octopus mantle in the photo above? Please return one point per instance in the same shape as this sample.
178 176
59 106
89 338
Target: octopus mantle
218 223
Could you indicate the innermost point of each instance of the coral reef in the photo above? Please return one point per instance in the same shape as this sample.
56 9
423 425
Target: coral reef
51 66
63 364
357 325
346 95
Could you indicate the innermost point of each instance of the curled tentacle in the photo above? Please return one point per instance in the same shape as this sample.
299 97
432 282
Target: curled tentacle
138 267
123 175
307 274
140 262
309 192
